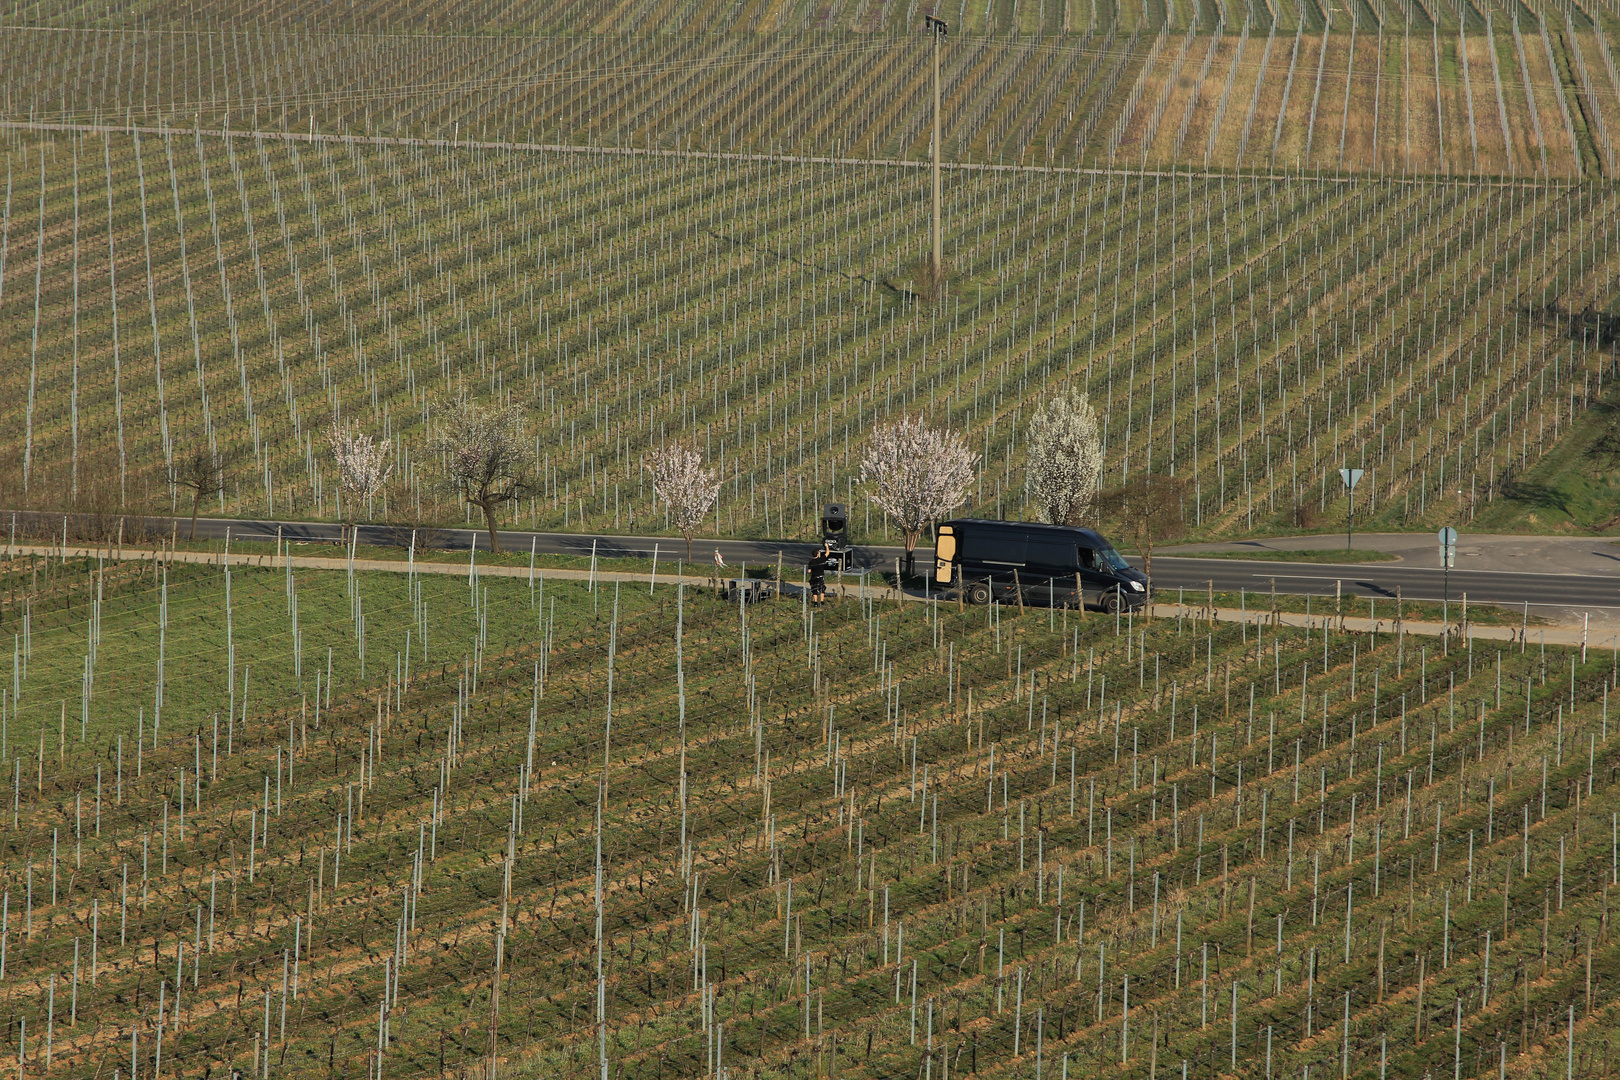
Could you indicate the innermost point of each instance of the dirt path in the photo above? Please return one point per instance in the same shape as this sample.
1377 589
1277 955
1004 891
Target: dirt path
636 151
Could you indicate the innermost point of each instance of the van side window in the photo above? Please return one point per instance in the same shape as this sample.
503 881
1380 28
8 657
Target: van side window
999 550
1088 559
1051 554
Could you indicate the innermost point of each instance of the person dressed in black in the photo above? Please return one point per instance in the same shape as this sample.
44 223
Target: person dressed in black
820 562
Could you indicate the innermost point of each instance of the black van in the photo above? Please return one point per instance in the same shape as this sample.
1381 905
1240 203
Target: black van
1053 564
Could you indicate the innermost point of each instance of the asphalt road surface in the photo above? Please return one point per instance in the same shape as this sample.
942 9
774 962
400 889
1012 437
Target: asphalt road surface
1549 589
1543 583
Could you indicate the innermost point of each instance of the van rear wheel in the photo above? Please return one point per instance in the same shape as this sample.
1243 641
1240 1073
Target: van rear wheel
979 593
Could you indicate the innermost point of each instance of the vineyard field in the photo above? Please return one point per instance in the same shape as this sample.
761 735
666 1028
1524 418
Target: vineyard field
1250 332
278 820
866 839
1244 93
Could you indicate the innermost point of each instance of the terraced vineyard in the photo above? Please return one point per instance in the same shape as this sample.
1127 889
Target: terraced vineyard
869 840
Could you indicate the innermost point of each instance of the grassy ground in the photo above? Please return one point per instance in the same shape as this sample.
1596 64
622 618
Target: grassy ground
1349 606
670 557
844 820
1571 490
1322 555
276 665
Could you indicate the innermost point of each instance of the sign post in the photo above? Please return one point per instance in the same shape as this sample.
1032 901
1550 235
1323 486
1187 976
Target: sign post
1448 559
937 29
1351 478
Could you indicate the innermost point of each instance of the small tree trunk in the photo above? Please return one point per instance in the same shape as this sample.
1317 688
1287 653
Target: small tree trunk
688 534
196 503
489 524
1147 570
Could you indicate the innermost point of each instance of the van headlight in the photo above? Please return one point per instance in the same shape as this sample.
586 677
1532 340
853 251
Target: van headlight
1137 585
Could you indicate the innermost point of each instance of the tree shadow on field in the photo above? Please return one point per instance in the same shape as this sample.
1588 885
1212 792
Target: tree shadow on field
773 253
1589 326
900 292
1538 496
887 284
403 533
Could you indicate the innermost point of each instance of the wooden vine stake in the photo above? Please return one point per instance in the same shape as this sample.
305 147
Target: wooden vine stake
1417 1030
1383 928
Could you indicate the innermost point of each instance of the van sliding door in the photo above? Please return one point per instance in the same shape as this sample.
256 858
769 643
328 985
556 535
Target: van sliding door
1051 570
1009 551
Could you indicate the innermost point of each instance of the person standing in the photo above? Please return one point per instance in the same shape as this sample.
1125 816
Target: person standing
820 562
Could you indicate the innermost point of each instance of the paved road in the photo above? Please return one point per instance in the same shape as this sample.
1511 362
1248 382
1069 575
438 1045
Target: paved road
1555 594
1582 555
1565 577
1539 573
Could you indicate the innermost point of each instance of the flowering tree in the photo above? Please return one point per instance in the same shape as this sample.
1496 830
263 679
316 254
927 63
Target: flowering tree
686 488
362 464
1063 460
918 474
483 453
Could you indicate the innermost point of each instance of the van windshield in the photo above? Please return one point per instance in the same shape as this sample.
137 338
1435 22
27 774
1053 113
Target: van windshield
1112 559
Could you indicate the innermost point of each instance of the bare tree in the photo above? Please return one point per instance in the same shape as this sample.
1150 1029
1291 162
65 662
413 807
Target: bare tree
686 487
1148 511
1063 459
928 280
202 470
483 453
362 464
918 474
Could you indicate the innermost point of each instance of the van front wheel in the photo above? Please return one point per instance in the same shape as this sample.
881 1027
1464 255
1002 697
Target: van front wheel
979 593
1111 602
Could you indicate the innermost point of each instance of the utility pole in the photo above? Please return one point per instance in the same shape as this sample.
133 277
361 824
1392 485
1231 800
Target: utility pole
938 29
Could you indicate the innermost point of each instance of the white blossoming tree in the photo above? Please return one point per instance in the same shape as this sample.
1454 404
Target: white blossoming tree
1063 460
483 454
362 464
918 474
686 487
